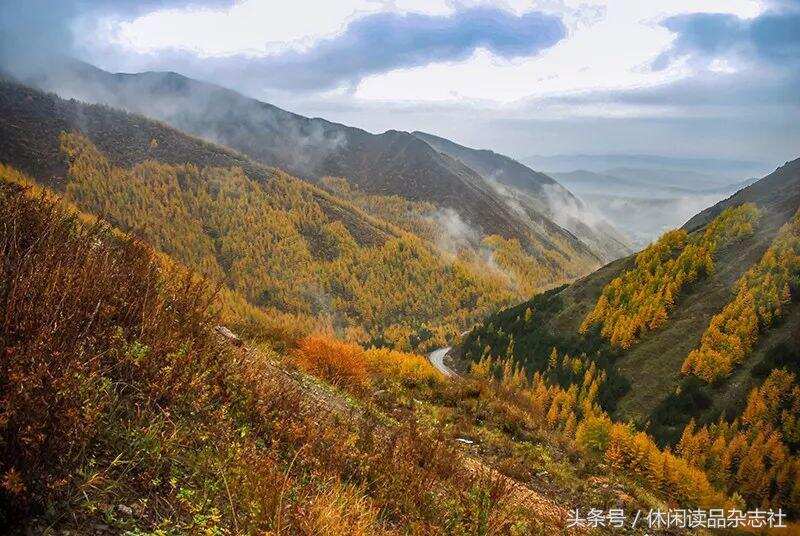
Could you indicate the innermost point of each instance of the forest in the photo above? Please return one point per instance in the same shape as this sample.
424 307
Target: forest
160 425
273 244
640 299
760 297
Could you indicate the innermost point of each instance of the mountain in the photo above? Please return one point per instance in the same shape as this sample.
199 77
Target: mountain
128 409
644 203
297 253
536 193
391 163
697 338
646 183
599 163
648 371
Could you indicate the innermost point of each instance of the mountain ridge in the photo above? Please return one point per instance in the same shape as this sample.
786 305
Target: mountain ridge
390 163
537 193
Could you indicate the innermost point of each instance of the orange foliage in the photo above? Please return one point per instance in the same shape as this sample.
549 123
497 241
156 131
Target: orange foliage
641 298
761 295
342 364
752 455
574 416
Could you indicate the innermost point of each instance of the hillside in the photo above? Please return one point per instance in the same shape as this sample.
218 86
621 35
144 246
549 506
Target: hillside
128 412
391 163
652 390
289 247
537 195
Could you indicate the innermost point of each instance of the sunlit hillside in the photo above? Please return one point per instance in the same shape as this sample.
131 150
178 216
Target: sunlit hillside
373 269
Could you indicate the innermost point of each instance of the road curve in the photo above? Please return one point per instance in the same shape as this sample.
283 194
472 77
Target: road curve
437 360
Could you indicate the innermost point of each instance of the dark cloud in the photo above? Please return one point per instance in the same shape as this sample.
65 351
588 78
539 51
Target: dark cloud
375 44
773 37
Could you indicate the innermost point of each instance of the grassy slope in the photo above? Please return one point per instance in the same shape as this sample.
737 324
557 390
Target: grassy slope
652 366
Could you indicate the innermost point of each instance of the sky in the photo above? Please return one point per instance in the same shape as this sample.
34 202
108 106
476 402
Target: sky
709 78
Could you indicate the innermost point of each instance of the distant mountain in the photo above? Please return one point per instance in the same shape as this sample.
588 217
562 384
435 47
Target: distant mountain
644 219
536 193
646 183
722 168
392 163
643 203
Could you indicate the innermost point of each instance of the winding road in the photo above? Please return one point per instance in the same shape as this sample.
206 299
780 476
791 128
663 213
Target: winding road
437 360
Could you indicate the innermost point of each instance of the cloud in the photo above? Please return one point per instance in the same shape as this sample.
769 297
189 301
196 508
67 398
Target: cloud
772 38
376 43
35 30
370 44
735 71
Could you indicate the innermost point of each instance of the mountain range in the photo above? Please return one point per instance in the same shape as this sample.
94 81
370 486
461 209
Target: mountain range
645 202
391 163
140 234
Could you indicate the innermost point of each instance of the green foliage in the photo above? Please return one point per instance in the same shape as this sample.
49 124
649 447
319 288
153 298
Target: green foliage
690 399
524 330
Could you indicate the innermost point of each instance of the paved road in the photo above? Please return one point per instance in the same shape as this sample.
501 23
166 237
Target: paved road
437 360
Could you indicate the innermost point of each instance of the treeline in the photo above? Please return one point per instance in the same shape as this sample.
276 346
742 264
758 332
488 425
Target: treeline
641 299
276 246
755 455
761 295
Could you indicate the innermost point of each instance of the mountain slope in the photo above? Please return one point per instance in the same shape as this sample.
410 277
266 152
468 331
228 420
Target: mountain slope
390 163
289 247
537 194
113 354
651 386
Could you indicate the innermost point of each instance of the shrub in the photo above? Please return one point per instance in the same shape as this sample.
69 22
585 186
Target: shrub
409 369
340 363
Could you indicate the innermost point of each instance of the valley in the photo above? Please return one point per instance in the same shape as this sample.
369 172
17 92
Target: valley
384 269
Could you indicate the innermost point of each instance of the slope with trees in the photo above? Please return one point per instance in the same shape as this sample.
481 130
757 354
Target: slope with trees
125 411
391 163
652 391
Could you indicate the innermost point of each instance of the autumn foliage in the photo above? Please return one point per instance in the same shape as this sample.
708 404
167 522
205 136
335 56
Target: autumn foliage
641 299
761 295
755 455
573 416
278 246
116 391
349 366
340 363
